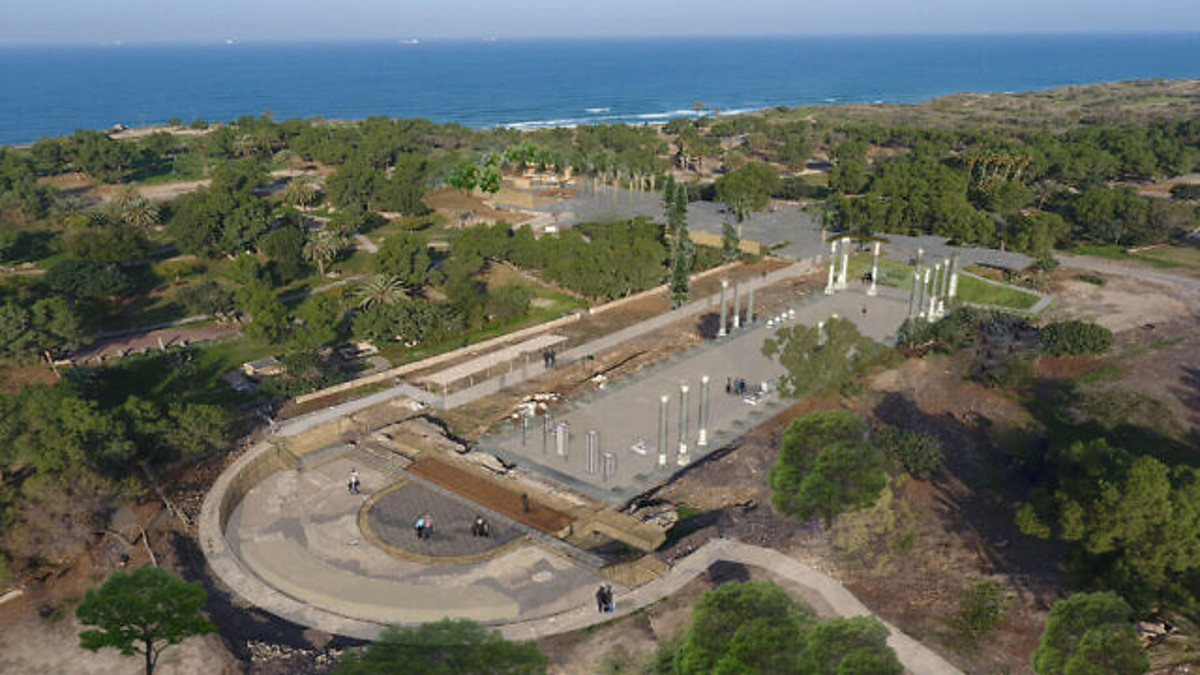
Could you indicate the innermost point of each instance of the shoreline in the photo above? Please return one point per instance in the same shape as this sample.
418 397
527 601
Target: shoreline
605 115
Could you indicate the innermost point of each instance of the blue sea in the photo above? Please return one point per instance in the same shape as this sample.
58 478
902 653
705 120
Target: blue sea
537 83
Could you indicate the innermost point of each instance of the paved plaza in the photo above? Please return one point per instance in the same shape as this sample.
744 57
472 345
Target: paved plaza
298 530
785 230
625 417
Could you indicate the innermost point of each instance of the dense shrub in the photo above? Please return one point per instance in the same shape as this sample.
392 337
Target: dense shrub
917 454
1075 338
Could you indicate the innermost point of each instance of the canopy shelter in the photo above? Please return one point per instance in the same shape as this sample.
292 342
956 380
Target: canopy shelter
487 362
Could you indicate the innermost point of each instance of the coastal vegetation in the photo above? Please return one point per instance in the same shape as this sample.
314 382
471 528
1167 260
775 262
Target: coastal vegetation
306 235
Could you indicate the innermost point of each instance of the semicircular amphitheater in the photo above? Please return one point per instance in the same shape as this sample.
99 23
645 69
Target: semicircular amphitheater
283 529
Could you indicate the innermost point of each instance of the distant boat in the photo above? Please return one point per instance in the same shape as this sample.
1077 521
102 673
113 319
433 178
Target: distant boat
410 41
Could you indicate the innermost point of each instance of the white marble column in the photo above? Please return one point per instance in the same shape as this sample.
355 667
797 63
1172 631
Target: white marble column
872 291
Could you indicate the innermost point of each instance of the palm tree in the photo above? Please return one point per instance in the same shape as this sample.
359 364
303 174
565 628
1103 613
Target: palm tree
301 191
381 289
323 247
141 213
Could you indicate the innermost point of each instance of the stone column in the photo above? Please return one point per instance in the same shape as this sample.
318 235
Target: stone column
932 303
662 429
924 292
750 302
832 267
953 292
912 295
683 424
737 305
702 434
721 330
872 291
845 266
945 288
593 451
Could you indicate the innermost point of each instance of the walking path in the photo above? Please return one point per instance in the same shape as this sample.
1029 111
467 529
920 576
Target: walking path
1136 271
916 657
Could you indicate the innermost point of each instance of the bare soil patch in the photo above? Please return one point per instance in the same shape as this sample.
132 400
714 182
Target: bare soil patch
1120 304
470 209
492 495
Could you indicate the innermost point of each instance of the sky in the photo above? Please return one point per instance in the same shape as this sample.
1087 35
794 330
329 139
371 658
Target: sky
134 21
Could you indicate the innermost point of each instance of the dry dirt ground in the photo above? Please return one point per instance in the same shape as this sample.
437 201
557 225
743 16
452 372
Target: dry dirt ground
1120 304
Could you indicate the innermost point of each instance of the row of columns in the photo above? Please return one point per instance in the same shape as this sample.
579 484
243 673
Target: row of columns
723 328
933 287
682 457
838 274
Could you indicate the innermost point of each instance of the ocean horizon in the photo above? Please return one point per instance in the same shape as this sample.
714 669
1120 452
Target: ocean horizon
541 82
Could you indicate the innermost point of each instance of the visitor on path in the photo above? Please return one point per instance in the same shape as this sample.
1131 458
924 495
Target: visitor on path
481 528
602 599
354 481
610 602
419 526
524 503
428 531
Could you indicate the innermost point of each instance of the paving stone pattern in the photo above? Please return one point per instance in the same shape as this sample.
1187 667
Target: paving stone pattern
391 519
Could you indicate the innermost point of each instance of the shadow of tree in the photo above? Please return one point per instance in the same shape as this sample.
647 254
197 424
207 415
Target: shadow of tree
976 490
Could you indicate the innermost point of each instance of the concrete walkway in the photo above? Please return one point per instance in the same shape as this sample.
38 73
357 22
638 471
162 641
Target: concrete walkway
916 657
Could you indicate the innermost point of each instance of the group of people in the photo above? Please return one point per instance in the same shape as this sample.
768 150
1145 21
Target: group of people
604 599
423 525
735 386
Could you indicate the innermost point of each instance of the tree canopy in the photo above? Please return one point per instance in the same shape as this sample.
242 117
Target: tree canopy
142 612
826 467
1090 633
447 647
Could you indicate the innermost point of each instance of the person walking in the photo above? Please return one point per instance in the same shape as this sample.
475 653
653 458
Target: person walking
419 526
602 599
354 481
610 602
428 525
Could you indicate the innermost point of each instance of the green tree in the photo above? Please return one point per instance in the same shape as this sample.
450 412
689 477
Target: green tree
465 177
752 627
679 243
380 289
76 278
405 256
198 428
323 247
354 186
447 647
850 646
1090 633
747 189
825 467
285 247
268 315
822 361
848 174
320 318
142 612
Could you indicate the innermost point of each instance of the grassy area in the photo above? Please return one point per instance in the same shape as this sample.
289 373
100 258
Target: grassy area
891 273
899 275
971 289
193 374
